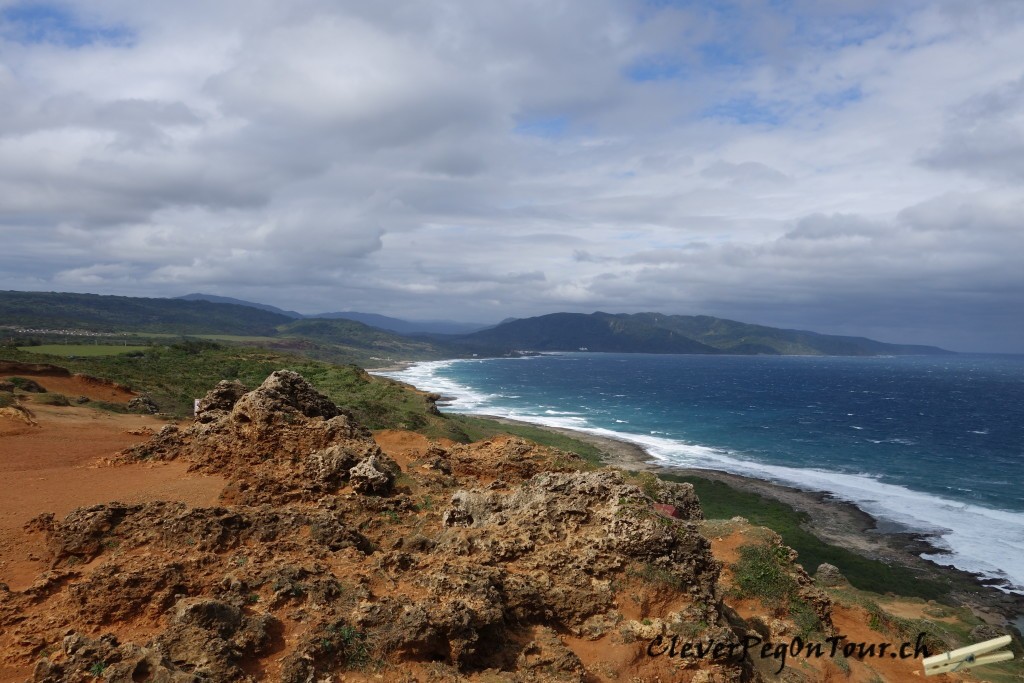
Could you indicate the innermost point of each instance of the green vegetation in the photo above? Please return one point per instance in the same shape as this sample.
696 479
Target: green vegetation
52 316
349 333
347 642
721 501
7 399
24 383
763 572
92 312
177 374
947 628
82 349
479 428
659 333
55 323
51 399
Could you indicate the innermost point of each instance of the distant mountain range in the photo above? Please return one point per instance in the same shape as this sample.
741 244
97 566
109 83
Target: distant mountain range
365 333
659 333
374 320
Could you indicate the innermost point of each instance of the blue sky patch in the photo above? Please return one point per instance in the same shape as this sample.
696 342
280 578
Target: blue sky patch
544 126
33 23
839 99
661 68
746 110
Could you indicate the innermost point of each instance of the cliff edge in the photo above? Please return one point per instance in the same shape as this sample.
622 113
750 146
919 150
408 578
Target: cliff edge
329 560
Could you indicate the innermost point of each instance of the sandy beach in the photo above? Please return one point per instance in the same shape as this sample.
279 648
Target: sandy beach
833 521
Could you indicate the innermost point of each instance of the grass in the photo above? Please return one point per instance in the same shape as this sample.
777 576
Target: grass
951 631
7 399
176 374
721 501
51 399
478 428
86 350
764 572
761 572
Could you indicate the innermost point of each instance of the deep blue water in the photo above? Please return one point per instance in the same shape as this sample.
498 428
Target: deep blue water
932 443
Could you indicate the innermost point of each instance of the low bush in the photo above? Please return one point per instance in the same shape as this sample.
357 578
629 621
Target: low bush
51 399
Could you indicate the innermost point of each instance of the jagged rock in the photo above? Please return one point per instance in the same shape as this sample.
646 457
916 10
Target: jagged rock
165 445
329 646
529 558
546 654
281 393
983 632
212 638
828 575
144 405
6 386
329 467
87 659
279 442
371 476
82 531
220 400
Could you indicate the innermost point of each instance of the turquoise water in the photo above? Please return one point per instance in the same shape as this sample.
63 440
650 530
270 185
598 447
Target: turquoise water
935 444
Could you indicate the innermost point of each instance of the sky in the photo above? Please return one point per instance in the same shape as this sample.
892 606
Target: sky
845 166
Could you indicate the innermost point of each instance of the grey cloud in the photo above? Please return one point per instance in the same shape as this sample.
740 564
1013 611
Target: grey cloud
746 172
492 278
822 227
984 136
313 152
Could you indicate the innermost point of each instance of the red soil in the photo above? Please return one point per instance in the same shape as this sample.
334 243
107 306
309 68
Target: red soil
54 465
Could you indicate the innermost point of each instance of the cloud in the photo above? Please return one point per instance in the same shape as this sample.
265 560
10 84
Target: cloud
746 172
783 162
984 136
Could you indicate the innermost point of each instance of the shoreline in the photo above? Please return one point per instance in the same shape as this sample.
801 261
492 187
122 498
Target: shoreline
834 521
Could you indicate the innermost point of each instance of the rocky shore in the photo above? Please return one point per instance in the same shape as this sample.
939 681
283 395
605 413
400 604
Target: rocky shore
834 521
335 554
326 557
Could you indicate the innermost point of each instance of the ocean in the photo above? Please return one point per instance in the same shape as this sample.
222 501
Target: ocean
934 444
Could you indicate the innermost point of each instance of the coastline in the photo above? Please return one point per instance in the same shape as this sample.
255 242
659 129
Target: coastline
832 520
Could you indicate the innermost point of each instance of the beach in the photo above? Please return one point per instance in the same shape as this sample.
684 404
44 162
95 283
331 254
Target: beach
832 520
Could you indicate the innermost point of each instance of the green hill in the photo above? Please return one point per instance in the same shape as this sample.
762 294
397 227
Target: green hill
96 313
659 333
344 340
573 331
349 333
31 318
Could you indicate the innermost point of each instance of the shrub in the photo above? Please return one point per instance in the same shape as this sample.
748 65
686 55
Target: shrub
761 573
25 384
764 572
53 399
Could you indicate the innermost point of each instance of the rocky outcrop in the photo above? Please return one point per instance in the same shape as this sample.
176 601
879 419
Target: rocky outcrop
500 560
144 405
829 576
281 442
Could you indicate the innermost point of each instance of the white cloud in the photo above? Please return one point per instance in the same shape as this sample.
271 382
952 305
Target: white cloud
479 160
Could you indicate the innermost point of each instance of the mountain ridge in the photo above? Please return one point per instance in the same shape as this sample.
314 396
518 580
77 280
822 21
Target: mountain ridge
383 322
661 333
648 332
